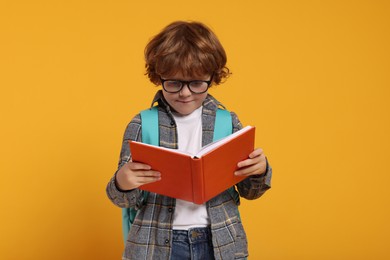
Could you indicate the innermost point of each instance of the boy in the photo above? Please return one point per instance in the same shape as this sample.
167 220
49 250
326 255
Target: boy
185 58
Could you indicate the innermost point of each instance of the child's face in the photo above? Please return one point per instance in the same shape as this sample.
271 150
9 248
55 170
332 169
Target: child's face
185 102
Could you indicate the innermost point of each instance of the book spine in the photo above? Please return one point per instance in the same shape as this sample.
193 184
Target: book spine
197 180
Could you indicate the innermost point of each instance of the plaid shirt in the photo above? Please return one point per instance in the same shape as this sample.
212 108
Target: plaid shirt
150 236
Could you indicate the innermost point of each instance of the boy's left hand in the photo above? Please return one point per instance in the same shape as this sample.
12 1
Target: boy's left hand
254 165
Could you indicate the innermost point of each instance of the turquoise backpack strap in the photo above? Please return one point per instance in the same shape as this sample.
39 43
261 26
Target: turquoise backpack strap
149 121
150 135
223 124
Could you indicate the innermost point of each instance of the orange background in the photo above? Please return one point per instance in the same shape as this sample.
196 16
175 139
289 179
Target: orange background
313 76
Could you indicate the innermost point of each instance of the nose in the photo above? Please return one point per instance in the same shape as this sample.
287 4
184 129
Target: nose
185 91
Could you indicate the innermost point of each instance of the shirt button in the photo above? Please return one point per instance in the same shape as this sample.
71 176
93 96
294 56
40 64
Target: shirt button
166 241
170 209
172 123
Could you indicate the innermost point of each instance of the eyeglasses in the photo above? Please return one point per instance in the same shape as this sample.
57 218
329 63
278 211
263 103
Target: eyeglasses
195 86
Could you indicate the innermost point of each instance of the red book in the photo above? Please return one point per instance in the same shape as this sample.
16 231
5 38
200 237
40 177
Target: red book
200 177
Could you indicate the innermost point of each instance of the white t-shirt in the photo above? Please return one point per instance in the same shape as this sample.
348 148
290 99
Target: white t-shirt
189 128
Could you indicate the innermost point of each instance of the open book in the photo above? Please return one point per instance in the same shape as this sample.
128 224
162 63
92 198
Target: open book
200 177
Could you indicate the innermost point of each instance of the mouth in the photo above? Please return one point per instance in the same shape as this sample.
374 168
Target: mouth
184 101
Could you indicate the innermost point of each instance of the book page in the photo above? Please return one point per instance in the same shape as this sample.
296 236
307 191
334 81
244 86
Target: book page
166 149
206 149
212 146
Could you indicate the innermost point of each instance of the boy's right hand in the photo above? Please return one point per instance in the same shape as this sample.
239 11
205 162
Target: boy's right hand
133 174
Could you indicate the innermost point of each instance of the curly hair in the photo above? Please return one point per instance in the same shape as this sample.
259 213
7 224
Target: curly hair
189 48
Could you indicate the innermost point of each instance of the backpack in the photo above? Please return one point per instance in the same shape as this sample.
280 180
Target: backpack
150 135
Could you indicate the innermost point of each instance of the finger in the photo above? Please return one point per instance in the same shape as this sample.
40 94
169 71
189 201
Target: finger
148 174
257 152
138 166
249 162
252 170
255 155
149 179
245 171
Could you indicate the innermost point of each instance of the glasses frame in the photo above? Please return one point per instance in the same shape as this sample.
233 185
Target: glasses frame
186 83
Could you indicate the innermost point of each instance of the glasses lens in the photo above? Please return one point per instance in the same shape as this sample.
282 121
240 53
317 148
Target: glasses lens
172 86
198 86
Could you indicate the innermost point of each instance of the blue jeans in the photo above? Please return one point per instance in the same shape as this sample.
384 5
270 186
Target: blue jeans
194 244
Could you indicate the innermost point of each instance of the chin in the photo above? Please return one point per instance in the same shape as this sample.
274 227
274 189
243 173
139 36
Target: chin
185 112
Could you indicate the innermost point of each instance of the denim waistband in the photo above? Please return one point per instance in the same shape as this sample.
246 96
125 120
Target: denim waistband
192 235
